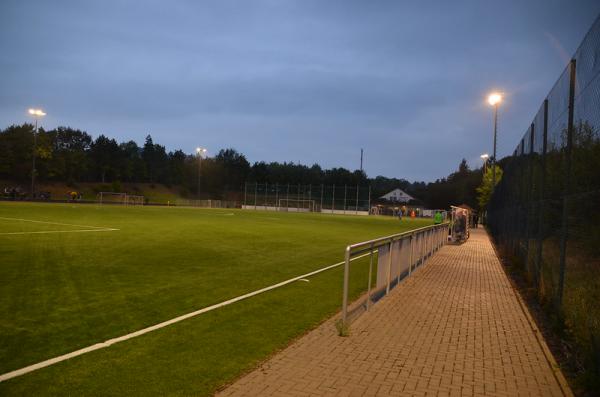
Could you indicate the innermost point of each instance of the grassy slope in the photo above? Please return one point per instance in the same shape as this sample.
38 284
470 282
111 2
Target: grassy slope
60 292
155 193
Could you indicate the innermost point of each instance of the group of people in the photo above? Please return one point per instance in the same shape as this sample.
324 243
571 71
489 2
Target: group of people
75 196
438 217
14 193
17 193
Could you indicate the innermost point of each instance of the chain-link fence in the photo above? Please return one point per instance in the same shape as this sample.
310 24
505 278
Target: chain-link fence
544 213
315 198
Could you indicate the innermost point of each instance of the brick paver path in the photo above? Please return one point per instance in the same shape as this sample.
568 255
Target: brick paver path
456 327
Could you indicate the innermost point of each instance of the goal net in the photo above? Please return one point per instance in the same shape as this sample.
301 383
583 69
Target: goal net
134 200
296 205
119 198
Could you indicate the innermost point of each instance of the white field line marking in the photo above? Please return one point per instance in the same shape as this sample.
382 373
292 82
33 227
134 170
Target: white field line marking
54 223
101 345
58 231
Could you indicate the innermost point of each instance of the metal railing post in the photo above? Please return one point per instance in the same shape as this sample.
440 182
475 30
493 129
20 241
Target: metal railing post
389 269
422 249
345 293
423 239
401 242
410 262
370 277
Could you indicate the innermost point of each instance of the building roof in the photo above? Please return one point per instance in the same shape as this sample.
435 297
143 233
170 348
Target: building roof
398 195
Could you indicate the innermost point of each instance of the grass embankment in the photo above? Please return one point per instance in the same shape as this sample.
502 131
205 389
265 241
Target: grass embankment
154 193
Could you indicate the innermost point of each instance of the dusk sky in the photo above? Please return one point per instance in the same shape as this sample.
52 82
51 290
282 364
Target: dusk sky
302 81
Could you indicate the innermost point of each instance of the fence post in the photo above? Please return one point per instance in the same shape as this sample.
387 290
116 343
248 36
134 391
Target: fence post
333 199
566 187
255 194
356 204
321 207
245 188
345 195
266 196
369 205
540 236
529 197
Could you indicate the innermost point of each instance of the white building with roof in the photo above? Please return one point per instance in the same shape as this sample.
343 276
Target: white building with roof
397 196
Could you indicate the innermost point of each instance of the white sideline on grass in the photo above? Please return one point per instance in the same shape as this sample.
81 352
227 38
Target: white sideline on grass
59 231
89 228
101 345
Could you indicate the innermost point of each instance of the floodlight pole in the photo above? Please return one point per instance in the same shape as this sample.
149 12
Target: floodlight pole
199 173
35 132
361 160
199 152
36 113
495 138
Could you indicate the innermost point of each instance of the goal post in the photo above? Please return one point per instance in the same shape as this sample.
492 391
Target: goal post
296 205
134 200
111 198
119 198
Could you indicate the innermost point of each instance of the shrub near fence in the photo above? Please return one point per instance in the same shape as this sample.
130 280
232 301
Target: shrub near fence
545 213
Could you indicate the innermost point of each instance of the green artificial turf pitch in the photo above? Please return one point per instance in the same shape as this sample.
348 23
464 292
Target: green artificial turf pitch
63 291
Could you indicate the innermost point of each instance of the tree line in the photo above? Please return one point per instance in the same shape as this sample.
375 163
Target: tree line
70 155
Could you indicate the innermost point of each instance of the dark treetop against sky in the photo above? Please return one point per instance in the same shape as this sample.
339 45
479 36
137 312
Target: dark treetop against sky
302 81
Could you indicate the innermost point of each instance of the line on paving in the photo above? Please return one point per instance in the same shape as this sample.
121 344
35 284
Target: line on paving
101 345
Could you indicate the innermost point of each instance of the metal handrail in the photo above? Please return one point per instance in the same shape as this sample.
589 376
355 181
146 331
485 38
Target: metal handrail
432 238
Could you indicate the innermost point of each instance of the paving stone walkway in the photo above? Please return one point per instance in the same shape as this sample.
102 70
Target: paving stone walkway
456 327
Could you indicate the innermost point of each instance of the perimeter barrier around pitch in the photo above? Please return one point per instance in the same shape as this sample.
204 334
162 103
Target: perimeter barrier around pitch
398 256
